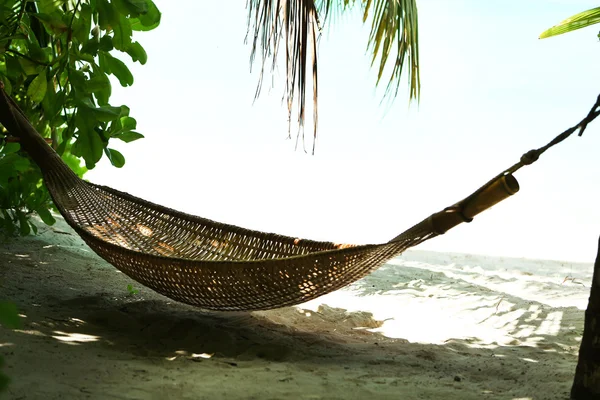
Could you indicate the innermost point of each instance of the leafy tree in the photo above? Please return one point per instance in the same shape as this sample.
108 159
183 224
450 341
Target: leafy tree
55 60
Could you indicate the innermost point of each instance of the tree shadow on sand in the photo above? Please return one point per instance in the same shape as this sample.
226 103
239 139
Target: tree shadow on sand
92 321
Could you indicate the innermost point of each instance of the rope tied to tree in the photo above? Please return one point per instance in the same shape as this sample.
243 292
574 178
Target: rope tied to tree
533 155
500 186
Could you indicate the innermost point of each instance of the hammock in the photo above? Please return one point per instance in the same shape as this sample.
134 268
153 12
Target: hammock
217 266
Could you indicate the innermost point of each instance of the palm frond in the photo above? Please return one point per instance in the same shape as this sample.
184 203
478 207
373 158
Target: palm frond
394 32
297 22
395 29
577 21
329 9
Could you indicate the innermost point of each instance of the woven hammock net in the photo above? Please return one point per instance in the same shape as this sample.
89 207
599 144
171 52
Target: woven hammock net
205 263
213 265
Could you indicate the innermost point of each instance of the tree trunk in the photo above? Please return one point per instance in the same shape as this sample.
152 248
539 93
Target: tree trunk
586 385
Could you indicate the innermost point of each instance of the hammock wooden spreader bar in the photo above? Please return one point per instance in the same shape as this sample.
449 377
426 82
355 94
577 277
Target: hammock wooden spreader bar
212 265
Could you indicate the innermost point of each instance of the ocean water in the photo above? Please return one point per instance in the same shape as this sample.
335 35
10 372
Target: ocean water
434 297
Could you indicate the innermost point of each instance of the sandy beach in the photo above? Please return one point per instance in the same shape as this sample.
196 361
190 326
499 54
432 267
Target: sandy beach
425 326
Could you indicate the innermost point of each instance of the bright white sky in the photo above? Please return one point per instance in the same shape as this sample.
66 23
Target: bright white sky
490 91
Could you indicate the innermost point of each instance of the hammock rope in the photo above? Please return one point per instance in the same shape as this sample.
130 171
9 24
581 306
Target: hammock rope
218 266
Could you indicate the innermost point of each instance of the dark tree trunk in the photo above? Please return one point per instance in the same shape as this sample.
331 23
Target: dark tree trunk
586 385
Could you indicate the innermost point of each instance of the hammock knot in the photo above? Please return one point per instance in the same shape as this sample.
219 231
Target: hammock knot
530 157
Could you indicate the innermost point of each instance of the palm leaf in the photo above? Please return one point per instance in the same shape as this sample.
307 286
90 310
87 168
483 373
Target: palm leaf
394 34
393 40
297 22
394 31
577 21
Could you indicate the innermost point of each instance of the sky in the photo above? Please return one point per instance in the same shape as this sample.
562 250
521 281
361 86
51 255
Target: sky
491 90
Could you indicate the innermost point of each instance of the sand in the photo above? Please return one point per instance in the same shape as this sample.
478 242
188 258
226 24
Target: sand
425 326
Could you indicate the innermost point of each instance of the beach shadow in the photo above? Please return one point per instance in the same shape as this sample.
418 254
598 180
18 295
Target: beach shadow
159 327
76 311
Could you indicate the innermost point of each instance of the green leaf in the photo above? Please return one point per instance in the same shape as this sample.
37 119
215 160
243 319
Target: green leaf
52 105
131 290
104 113
14 69
121 7
130 136
107 113
125 111
78 81
90 47
29 67
137 6
97 83
131 7
82 25
123 32
10 148
46 216
21 164
89 144
577 21
9 315
116 67
14 162
5 175
35 52
53 23
137 53
23 223
115 157
147 21
128 123
106 43
37 88
47 6
74 163
107 14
